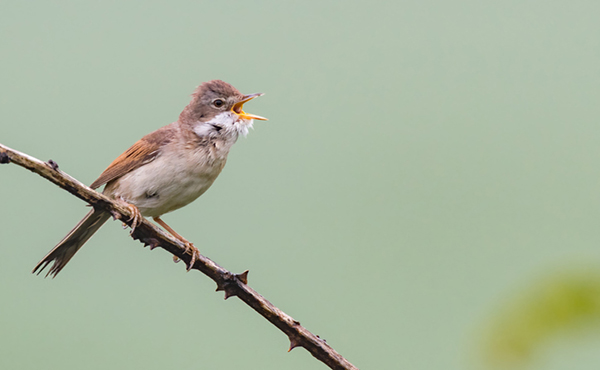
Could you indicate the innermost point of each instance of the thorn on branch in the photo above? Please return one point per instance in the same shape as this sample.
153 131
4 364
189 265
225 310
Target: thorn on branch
293 344
52 164
135 235
243 277
230 285
4 158
229 292
153 243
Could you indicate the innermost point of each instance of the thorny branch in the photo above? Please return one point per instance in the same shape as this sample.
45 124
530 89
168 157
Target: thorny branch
150 235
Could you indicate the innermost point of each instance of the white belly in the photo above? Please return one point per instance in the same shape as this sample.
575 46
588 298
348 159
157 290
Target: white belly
167 183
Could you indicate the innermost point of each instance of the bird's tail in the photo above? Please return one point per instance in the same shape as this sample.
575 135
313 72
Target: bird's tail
66 249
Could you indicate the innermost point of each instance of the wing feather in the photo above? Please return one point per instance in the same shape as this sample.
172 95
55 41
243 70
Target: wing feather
142 152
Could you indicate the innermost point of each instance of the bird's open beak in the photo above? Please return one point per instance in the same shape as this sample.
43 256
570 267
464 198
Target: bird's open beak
237 108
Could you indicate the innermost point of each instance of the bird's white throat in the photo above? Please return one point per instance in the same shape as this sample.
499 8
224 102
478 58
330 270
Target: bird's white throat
224 124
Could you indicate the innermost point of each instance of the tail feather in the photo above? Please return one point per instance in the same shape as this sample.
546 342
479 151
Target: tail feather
66 249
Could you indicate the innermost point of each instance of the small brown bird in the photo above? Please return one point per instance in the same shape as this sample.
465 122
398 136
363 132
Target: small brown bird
168 168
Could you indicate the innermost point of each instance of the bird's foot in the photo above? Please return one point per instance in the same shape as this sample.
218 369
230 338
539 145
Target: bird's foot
189 248
136 217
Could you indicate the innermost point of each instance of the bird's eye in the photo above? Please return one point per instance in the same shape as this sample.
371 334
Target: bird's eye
218 103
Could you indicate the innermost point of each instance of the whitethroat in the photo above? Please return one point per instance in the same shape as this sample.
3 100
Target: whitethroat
168 168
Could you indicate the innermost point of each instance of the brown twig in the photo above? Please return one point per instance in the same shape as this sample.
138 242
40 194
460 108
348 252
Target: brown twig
149 234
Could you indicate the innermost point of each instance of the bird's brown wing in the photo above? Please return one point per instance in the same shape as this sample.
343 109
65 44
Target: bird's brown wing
142 152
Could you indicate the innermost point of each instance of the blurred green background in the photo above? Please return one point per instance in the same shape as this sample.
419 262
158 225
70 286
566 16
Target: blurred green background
423 161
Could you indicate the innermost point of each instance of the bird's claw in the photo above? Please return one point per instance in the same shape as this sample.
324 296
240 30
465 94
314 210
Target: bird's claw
189 248
136 217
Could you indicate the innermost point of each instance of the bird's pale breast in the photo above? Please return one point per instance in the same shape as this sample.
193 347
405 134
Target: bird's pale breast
171 181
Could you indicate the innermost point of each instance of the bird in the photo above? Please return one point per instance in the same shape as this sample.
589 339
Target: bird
166 169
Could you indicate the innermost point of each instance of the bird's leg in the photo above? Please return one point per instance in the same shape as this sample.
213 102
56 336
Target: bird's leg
189 247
